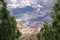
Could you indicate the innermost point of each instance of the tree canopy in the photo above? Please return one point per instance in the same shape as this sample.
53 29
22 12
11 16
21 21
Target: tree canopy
8 25
52 32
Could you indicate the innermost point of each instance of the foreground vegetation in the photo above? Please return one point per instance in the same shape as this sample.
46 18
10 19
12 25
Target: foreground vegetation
8 28
52 31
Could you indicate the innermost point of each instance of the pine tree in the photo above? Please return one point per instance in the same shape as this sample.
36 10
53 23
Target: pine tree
52 32
56 19
8 28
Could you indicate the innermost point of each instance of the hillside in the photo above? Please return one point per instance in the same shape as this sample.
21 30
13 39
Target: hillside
28 32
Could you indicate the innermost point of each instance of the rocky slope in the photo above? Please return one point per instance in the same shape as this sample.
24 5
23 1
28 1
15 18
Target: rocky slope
32 12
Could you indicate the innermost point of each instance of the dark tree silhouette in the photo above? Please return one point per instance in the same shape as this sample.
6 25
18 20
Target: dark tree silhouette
52 32
8 28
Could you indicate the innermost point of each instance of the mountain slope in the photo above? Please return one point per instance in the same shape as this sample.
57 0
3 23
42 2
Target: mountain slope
32 12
